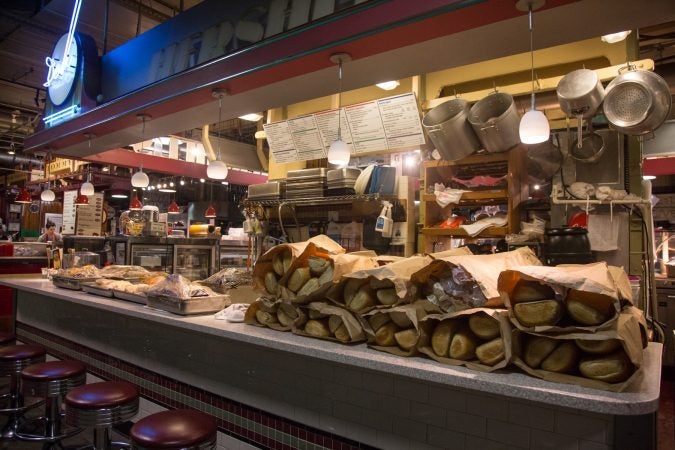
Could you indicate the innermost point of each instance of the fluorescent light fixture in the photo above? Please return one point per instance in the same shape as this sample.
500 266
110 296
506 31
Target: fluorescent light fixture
252 117
260 134
120 195
167 189
648 177
613 38
61 115
388 85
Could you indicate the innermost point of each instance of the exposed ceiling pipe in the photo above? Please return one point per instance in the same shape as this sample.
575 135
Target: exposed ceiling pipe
18 159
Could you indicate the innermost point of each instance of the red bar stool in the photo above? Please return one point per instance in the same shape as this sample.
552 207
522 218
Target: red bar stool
13 359
51 381
182 429
101 406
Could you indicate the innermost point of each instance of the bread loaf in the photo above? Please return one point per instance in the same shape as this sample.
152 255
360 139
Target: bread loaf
364 298
563 359
585 314
271 284
386 296
530 291
317 265
484 326
341 333
613 368
326 276
286 293
350 289
310 286
406 339
490 353
264 317
384 336
377 320
442 335
401 319
283 318
298 278
594 347
287 259
537 348
317 327
278 263
381 284
334 322
463 345
538 313
314 314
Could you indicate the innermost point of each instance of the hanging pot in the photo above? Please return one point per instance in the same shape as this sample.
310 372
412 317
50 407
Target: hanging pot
637 102
495 120
449 130
580 93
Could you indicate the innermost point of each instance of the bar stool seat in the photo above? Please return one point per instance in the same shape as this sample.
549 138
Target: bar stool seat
101 406
7 338
175 429
13 359
51 381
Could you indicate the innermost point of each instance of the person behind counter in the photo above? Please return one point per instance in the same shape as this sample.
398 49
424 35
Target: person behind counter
50 235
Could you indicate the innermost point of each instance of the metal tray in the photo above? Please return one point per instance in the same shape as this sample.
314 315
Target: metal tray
95 289
318 172
186 307
74 284
136 298
347 173
269 190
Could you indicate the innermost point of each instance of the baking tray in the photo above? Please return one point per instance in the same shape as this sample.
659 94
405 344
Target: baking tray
269 190
190 306
318 172
95 289
74 284
346 173
136 298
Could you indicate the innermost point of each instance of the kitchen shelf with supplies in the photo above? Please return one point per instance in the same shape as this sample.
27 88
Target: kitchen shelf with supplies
312 201
491 179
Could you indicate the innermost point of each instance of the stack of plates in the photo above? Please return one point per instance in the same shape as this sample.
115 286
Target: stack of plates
305 183
341 181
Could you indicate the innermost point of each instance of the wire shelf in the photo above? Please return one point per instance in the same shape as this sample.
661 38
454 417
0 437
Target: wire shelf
311 201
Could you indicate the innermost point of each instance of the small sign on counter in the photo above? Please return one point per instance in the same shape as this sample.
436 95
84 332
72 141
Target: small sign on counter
379 125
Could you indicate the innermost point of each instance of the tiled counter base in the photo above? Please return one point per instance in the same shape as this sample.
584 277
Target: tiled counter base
277 390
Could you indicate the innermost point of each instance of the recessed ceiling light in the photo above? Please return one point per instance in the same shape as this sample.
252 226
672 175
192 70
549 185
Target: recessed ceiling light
613 38
388 85
252 117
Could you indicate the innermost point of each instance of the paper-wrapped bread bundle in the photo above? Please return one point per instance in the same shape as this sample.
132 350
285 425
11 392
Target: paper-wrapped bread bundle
562 299
264 313
329 322
608 359
478 338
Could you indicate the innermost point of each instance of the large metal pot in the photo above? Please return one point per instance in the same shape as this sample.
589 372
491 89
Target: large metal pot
637 102
580 93
449 130
495 120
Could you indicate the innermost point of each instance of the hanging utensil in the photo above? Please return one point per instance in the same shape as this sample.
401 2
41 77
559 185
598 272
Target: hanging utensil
580 93
637 102
589 145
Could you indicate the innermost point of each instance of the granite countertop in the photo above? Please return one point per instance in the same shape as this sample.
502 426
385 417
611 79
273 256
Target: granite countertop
640 398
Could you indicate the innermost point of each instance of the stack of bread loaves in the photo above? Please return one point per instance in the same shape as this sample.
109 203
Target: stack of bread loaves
570 325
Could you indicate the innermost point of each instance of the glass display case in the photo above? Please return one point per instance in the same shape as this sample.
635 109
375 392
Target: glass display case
233 253
155 257
194 262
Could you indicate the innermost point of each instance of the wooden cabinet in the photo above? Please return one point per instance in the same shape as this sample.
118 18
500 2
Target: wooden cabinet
511 190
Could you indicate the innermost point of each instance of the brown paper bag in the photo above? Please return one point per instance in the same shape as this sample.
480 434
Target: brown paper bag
395 276
324 313
264 307
483 270
590 284
320 244
500 315
622 283
627 330
452 252
396 320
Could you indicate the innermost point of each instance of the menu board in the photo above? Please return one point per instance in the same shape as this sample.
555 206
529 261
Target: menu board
89 216
378 125
69 211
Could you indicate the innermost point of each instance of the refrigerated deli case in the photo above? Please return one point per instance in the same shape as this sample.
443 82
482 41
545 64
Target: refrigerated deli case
194 258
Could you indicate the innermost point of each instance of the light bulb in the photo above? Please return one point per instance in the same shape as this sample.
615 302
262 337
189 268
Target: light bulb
140 179
252 117
87 189
216 170
388 85
648 177
339 153
613 38
47 195
534 127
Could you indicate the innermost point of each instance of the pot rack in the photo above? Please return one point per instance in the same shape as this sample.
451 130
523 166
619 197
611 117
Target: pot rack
543 84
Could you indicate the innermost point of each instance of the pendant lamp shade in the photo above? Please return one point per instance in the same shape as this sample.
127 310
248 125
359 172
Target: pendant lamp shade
87 189
210 212
216 170
140 179
82 200
173 208
338 153
47 195
23 197
135 203
534 127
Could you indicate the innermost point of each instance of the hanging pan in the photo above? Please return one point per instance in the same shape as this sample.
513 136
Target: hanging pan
637 102
589 145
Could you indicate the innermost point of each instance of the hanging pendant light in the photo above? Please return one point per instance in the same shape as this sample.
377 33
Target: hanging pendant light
87 188
173 208
135 204
23 197
210 212
338 152
47 195
534 127
140 179
81 200
217 169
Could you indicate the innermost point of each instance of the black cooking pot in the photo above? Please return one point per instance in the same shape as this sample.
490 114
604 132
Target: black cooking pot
567 246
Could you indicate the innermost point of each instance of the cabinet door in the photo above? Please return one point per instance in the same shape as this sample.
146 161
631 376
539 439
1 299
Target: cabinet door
194 262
